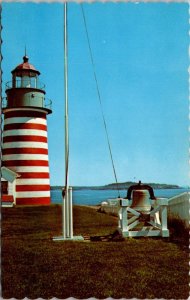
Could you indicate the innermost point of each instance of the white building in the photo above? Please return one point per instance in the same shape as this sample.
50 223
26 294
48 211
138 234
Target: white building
8 187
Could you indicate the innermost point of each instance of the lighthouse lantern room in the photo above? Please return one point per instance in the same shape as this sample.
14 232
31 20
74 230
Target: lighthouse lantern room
25 145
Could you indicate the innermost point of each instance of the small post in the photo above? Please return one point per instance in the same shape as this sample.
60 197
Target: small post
124 220
165 231
70 213
63 214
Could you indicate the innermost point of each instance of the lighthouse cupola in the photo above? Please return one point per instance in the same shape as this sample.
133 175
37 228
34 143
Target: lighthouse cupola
25 89
25 75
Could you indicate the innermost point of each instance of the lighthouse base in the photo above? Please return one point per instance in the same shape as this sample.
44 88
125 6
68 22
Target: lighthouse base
62 238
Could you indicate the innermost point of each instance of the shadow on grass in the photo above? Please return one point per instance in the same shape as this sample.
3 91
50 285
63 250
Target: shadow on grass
179 233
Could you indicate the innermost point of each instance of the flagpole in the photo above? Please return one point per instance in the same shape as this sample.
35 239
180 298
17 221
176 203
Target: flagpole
67 204
66 199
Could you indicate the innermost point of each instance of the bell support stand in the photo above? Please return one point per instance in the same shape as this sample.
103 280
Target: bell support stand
142 214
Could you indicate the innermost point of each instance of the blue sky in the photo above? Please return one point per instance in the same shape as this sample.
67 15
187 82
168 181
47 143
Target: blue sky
141 60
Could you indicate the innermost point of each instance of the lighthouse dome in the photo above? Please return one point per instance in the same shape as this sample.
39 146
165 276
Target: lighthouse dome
25 67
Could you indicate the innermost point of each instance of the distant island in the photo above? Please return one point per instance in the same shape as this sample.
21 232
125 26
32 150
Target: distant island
120 186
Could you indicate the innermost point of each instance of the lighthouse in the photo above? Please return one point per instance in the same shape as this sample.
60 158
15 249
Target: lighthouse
25 144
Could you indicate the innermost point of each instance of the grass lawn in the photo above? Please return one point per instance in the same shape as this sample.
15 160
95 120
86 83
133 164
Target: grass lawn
34 266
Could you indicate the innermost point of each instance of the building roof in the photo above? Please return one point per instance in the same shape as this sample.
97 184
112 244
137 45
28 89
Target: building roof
25 66
9 174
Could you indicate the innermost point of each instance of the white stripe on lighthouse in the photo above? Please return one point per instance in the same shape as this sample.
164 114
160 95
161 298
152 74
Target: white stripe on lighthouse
29 181
25 157
19 132
30 169
30 194
27 144
25 120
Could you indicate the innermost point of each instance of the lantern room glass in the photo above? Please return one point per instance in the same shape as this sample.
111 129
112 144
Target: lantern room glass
26 79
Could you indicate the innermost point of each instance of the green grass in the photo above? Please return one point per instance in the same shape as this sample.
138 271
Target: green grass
34 266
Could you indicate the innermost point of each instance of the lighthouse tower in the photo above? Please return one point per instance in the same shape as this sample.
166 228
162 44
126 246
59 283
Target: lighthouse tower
25 147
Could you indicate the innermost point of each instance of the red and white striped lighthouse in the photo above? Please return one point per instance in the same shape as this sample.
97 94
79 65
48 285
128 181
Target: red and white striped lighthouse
25 147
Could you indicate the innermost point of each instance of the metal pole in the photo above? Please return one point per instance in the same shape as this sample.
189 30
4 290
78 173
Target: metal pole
67 209
66 206
63 215
71 213
67 214
66 95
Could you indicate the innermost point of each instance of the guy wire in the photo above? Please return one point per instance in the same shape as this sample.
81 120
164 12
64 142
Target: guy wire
100 101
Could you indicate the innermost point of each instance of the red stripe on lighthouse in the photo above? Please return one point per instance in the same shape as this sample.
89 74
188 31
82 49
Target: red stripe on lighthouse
17 113
24 151
25 138
25 126
36 187
26 163
40 175
33 201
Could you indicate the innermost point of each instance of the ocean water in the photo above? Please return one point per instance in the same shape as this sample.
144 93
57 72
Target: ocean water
95 197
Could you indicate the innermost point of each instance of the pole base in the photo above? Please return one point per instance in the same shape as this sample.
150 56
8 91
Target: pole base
62 238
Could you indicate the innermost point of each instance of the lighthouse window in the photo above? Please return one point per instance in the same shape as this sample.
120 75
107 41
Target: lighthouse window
25 81
33 81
